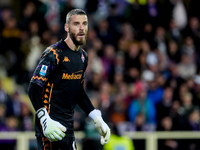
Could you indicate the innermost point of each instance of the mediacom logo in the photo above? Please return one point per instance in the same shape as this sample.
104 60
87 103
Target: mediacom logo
72 76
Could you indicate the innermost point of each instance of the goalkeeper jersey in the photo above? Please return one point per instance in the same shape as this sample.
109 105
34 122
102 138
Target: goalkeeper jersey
60 73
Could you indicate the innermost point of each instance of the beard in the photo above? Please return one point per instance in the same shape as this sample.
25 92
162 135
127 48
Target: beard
75 40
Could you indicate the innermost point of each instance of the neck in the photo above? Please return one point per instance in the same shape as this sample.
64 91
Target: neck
71 44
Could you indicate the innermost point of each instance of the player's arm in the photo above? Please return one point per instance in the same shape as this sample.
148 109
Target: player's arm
95 115
85 104
53 130
35 95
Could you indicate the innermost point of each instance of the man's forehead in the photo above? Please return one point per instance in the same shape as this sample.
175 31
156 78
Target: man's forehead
79 18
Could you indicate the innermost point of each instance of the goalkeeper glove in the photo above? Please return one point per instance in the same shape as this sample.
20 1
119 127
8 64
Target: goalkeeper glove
53 130
100 125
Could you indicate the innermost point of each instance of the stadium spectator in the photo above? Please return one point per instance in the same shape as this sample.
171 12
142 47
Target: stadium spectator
2 114
168 144
142 104
163 108
14 105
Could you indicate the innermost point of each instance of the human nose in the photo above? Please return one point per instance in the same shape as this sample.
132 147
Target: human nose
81 27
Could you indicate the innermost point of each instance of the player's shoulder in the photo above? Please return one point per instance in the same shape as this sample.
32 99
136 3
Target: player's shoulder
53 52
56 48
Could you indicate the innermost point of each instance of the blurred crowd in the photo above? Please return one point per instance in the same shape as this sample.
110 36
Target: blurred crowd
143 71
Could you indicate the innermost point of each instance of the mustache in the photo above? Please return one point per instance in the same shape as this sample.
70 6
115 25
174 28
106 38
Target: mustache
81 33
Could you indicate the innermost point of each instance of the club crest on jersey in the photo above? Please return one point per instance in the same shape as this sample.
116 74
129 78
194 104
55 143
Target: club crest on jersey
43 70
83 58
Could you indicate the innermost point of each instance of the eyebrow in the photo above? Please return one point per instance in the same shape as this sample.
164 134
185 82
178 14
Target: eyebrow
79 22
76 22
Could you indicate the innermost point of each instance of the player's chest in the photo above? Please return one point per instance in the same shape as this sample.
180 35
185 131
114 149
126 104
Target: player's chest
72 62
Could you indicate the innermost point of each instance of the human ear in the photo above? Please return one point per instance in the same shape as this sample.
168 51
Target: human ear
66 27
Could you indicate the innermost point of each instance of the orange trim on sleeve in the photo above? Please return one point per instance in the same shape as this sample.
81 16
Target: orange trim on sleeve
54 52
40 78
82 81
50 97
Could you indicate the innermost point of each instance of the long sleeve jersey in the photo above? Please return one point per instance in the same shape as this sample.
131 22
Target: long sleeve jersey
57 84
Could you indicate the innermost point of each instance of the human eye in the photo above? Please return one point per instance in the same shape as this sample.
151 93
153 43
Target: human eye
85 23
76 23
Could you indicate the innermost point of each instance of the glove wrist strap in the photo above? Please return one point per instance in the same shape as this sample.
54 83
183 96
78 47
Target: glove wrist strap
42 114
94 114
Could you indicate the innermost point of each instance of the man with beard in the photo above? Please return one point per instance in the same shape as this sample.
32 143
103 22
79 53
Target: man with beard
57 86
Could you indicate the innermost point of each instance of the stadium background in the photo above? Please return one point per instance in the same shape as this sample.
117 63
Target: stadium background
143 70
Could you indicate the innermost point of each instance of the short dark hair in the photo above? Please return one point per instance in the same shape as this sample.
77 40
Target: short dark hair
74 12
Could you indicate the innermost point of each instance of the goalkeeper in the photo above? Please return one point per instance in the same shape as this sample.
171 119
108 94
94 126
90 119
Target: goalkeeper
56 87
